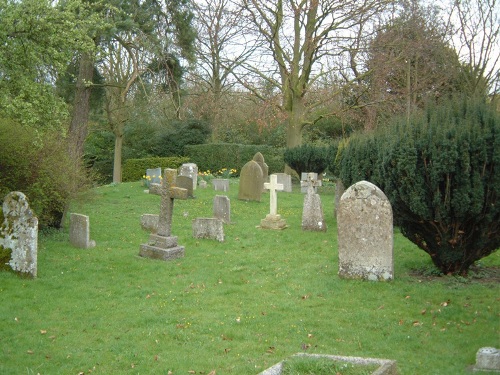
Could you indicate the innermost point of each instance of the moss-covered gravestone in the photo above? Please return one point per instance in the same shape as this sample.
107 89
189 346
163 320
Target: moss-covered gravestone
251 182
18 235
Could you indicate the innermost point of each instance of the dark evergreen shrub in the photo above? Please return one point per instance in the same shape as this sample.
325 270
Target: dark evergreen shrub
441 174
180 134
307 158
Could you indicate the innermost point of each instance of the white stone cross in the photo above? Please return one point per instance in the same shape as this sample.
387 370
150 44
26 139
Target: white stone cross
273 186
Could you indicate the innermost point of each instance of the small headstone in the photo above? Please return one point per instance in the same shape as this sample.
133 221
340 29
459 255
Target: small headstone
209 228
273 220
185 182
203 184
222 208
220 184
487 360
190 170
306 179
79 231
312 212
251 182
365 233
149 222
162 245
259 158
153 175
19 234
286 180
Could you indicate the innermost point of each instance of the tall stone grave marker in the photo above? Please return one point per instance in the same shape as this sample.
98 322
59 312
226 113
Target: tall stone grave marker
190 170
19 234
313 218
365 233
222 208
306 179
79 231
286 180
251 182
186 182
273 220
163 245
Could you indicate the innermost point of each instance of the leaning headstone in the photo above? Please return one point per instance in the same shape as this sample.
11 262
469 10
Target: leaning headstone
79 231
220 184
190 170
149 222
162 245
487 360
251 182
313 218
208 227
306 179
19 234
365 233
222 208
153 175
286 180
273 220
186 182
259 158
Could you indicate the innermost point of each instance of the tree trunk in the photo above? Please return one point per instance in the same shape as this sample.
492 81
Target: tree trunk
295 125
81 105
117 161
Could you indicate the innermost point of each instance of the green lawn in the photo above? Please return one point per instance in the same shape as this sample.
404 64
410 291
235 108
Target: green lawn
235 307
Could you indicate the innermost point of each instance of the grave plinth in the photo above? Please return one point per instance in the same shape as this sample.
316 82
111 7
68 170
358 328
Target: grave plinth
162 245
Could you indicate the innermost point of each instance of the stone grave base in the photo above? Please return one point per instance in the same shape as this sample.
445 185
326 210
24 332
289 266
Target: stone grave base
163 248
273 222
386 366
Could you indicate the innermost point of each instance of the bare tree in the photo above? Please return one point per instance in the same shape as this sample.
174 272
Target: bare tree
299 37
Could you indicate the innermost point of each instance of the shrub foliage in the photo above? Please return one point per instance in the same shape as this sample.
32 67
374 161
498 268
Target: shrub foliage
441 173
134 169
307 158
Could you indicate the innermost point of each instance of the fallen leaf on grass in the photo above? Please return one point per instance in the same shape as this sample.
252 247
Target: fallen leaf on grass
43 331
211 372
30 352
271 349
423 311
445 303
191 372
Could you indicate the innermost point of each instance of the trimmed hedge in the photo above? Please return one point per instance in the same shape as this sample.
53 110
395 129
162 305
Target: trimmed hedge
441 175
307 158
134 169
215 156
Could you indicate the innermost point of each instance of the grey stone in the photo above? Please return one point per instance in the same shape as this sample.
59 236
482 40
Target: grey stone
222 208
487 360
19 234
365 233
286 180
220 184
313 218
308 178
203 184
251 182
273 220
190 170
259 158
163 245
185 182
209 228
149 222
79 231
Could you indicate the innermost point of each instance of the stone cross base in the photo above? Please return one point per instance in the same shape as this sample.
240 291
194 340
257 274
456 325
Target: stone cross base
273 222
163 248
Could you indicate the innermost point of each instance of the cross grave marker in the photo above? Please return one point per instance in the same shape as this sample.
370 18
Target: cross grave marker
273 220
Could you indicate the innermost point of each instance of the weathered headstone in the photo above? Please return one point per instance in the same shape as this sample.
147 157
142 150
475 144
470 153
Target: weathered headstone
186 182
365 233
259 158
251 182
149 222
273 220
222 208
487 360
163 245
190 170
313 218
286 180
19 234
79 231
306 179
153 175
208 227
203 184
221 184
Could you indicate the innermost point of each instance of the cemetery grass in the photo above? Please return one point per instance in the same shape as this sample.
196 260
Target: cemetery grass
236 307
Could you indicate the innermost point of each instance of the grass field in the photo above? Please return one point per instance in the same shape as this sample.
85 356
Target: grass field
235 307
